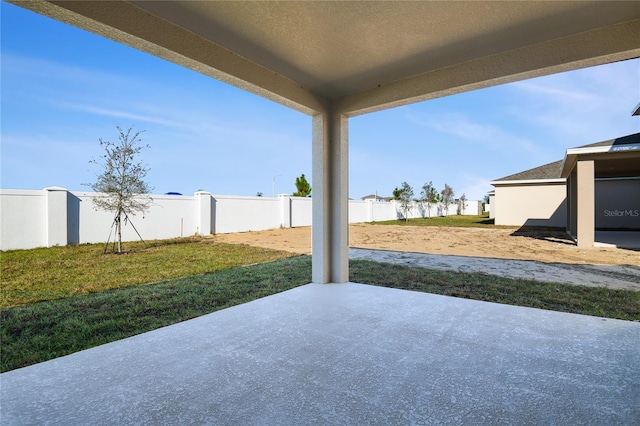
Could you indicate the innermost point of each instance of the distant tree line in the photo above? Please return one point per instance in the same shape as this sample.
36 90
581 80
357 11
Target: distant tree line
429 196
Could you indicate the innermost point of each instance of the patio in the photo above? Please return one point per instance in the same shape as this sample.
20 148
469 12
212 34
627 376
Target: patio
346 354
351 353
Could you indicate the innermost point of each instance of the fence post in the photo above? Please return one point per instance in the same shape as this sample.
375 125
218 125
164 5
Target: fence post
55 216
286 202
203 212
370 210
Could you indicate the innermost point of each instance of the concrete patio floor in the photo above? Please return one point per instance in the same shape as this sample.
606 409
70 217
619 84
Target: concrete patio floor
346 354
620 239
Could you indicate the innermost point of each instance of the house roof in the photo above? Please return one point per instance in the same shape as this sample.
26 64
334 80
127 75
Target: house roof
627 162
617 142
373 196
549 171
618 157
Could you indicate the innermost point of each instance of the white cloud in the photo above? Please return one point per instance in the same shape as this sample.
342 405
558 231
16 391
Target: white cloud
555 94
118 114
36 70
582 106
461 127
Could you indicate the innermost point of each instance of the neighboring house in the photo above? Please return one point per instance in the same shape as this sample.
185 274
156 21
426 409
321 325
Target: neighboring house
375 197
535 197
603 187
595 186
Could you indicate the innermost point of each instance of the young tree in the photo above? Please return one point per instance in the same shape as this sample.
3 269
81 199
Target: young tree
447 197
121 182
463 203
429 196
396 193
406 196
303 187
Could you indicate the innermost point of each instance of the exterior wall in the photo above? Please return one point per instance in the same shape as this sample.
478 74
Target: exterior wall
170 216
531 205
471 208
492 203
301 210
55 216
572 203
360 211
22 223
618 204
381 211
242 214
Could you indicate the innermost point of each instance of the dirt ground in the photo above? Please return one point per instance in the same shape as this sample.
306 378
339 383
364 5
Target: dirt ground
544 246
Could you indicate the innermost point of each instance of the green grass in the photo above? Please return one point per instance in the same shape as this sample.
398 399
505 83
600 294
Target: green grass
52 273
40 331
453 220
596 301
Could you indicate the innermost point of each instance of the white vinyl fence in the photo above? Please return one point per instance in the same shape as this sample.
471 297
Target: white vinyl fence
54 216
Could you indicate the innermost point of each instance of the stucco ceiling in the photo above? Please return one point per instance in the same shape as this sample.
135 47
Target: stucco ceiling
363 56
339 48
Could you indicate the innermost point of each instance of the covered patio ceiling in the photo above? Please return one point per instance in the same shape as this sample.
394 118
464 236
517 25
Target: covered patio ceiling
364 55
338 59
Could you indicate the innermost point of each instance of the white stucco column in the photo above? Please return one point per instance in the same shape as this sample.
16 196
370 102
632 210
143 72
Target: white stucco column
586 221
56 216
330 198
285 201
203 211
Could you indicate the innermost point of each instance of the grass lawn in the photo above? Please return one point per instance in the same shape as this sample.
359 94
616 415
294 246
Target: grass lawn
52 273
40 331
453 220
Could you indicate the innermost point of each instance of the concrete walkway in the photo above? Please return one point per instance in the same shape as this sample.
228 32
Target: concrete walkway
617 277
345 354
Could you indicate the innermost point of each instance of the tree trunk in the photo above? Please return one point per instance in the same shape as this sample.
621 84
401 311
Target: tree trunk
119 230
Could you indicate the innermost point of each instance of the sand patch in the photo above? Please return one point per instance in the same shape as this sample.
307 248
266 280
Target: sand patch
474 242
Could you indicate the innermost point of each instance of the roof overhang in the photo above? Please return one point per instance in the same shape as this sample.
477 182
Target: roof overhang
357 57
528 182
628 155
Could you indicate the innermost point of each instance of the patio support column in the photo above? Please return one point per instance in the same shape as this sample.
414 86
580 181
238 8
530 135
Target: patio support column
330 230
586 203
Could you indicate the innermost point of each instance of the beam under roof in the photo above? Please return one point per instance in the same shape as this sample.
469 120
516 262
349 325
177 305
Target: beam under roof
604 45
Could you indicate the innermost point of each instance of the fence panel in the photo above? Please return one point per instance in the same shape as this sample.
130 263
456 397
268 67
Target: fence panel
55 216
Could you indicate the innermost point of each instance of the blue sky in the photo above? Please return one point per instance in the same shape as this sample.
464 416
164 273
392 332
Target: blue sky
64 88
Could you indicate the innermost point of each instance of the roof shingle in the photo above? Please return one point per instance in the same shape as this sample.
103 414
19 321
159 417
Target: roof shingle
624 140
547 171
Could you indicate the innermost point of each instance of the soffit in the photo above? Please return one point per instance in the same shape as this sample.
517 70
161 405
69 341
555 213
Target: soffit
340 48
628 166
618 157
360 56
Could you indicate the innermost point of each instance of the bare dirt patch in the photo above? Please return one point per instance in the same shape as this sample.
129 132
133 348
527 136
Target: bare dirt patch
543 246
